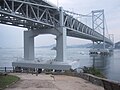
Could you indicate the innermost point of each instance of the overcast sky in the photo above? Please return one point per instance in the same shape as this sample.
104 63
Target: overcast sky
13 36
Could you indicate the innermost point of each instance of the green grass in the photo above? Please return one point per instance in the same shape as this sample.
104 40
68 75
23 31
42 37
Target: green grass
7 80
93 71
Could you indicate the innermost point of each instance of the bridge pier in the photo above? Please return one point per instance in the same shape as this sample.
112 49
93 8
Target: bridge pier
61 39
29 60
61 45
28 45
58 63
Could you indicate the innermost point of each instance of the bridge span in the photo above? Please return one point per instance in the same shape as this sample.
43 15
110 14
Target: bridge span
41 17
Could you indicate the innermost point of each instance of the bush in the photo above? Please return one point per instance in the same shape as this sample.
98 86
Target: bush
93 71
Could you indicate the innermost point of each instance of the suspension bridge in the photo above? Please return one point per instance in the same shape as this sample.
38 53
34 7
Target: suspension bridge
42 17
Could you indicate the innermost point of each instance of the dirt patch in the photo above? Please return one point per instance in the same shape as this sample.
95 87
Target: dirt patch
46 82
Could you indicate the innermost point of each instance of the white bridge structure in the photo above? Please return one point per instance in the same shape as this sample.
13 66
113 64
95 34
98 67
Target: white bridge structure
41 17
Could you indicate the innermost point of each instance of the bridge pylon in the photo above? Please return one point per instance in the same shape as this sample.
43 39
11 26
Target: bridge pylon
28 45
98 23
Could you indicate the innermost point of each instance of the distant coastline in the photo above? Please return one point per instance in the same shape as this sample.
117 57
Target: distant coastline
88 45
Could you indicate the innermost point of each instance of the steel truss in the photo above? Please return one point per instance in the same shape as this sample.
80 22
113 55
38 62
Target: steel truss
98 23
26 14
37 14
73 24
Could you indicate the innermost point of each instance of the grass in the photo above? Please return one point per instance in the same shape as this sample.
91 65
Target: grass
93 71
7 80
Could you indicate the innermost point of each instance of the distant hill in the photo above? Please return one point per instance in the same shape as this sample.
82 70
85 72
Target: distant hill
100 46
117 45
80 46
89 45
49 46
70 46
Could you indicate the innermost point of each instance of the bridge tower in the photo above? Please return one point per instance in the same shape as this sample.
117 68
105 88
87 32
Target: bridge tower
98 23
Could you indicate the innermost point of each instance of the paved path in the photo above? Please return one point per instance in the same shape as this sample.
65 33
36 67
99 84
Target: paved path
50 82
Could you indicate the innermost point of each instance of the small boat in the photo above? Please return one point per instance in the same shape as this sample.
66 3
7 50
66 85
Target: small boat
100 52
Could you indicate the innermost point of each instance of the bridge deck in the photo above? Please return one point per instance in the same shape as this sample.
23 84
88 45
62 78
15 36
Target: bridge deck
39 14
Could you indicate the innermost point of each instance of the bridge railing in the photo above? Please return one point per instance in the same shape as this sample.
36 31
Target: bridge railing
6 69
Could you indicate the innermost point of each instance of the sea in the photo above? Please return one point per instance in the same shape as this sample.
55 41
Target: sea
77 57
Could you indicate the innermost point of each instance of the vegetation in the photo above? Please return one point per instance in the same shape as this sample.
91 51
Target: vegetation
7 80
93 71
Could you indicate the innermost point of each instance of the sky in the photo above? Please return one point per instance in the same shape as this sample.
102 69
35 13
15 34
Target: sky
11 36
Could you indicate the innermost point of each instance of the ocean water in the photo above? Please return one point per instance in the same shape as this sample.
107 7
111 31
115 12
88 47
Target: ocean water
77 57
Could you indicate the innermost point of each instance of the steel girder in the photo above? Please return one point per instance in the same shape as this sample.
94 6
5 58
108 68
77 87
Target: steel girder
80 30
38 14
26 14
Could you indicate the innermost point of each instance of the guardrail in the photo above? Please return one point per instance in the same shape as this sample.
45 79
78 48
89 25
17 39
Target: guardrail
6 69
